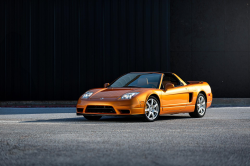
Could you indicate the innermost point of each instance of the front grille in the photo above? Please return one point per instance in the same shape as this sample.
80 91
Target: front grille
99 109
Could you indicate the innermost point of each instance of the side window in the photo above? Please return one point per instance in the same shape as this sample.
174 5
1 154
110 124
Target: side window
169 78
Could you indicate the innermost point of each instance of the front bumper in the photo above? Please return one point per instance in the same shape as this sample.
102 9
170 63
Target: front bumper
132 106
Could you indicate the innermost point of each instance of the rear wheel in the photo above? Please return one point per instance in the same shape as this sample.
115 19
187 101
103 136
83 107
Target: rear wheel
93 117
200 107
152 109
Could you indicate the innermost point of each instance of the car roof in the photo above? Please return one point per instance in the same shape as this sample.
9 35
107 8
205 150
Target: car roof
153 72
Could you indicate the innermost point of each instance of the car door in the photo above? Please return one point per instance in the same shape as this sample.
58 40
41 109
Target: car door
175 99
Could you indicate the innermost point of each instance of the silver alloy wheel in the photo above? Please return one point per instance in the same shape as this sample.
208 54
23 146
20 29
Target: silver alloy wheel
201 105
152 109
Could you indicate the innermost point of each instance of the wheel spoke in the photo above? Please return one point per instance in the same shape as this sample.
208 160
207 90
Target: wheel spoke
155 105
155 114
152 114
203 110
152 102
149 114
200 100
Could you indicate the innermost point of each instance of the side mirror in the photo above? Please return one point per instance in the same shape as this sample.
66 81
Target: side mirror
106 85
168 86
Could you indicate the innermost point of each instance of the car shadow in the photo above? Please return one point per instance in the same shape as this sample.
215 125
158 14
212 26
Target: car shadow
174 117
112 119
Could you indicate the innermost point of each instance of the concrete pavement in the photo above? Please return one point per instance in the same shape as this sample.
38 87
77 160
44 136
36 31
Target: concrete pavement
56 136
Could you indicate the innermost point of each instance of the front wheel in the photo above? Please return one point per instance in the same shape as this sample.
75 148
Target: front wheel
200 107
152 109
93 117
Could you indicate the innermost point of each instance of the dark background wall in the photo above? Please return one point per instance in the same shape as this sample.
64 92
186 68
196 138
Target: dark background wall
58 49
210 41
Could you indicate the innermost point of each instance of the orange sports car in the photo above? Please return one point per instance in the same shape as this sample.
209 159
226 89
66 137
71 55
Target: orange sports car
149 94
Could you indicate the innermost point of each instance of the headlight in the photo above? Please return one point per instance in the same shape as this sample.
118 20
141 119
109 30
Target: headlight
129 95
86 95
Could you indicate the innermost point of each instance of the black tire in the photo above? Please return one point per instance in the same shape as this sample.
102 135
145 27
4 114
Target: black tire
200 107
154 113
93 117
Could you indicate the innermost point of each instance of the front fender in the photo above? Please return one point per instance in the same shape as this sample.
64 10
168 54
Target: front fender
143 97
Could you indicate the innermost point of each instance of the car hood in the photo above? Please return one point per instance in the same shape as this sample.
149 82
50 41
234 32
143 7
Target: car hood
112 92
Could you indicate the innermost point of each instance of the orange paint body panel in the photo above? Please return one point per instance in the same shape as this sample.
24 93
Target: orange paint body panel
179 99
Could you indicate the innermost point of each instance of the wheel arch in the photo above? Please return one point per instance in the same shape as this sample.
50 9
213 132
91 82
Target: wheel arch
204 93
156 96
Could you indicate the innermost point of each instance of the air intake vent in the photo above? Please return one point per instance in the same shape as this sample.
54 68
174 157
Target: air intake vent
190 97
125 111
79 109
99 109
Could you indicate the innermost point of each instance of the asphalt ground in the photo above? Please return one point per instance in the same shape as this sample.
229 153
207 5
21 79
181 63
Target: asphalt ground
56 136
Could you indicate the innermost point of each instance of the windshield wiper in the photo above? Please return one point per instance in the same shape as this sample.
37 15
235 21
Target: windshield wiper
133 86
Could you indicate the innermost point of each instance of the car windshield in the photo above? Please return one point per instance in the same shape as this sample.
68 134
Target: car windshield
140 80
